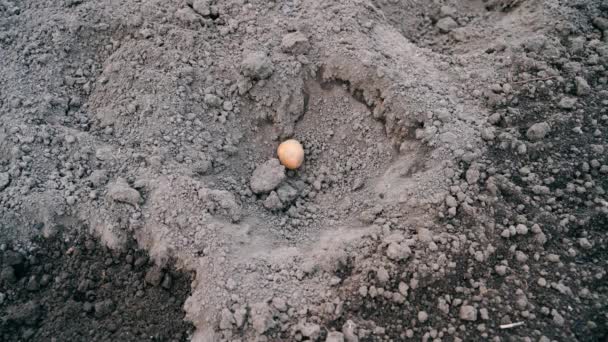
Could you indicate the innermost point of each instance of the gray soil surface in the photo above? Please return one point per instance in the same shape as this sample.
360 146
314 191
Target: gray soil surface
453 189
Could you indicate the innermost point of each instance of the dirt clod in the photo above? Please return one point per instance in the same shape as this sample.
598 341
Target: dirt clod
267 176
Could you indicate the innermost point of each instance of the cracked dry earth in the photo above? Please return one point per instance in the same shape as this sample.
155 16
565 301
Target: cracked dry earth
453 188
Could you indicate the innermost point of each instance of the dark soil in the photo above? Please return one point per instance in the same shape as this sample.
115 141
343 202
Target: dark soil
71 288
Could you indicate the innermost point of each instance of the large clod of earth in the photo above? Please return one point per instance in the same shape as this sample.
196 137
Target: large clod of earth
454 186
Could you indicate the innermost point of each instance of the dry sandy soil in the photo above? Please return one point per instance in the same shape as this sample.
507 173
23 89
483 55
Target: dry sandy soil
454 187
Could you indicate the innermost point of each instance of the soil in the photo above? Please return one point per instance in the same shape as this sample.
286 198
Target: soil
453 188
73 289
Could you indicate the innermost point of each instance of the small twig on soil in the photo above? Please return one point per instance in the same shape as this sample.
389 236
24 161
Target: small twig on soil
511 325
535 79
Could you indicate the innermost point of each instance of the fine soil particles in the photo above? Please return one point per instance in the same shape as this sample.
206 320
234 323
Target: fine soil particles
454 183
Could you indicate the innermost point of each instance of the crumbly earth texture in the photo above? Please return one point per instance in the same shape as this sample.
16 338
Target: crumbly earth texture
454 183
73 289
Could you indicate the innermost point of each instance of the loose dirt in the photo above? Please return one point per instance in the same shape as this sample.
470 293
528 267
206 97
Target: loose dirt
453 188
73 289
